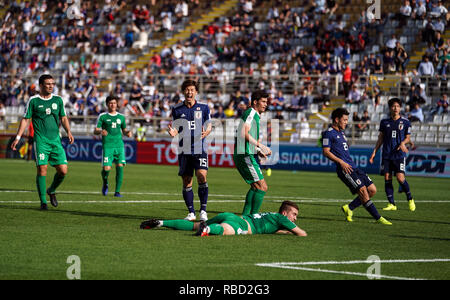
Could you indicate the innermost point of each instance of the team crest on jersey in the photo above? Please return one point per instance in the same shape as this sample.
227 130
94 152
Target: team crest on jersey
54 106
118 121
400 126
198 114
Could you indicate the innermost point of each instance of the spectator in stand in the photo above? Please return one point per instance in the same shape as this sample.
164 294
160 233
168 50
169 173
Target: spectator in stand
416 114
405 13
366 121
441 106
401 57
426 67
354 96
420 11
347 79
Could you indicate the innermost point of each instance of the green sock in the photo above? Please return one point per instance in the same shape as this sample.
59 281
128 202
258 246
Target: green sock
119 178
257 201
179 224
105 175
57 180
215 229
40 184
248 202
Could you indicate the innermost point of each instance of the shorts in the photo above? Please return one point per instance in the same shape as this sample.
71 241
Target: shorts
49 152
187 163
393 165
113 155
355 180
239 225
248 167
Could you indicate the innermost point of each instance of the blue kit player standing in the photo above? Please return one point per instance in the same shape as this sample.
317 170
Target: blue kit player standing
335 148
190 122
395 133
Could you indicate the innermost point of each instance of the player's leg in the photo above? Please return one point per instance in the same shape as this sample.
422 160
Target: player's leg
388 167
251 173
370 206
119 158
201 172
60 175
405 187
186 171
260 189
41 184
107 161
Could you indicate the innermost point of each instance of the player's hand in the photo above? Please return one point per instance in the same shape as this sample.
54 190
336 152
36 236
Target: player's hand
104 132
263 150
372 157
14 144
71 139
172 131
205 133
346 167
403 148
129 134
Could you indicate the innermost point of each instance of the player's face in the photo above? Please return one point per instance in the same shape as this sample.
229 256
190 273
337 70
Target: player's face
112 106
291 214
395 109
342 122
190 93
261 105
47 86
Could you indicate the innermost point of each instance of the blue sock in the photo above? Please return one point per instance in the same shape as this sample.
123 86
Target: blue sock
203 195
188 196
405 187
389 188
355 203
370 207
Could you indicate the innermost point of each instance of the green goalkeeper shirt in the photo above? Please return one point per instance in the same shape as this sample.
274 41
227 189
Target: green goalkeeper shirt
113 124
45 115
268 223
252 118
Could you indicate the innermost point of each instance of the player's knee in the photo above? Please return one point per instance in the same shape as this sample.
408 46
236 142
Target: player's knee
372 191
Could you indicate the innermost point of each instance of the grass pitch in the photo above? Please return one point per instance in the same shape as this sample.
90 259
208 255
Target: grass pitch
104 231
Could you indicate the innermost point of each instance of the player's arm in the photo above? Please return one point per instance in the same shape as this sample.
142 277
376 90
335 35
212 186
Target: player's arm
405 142
377 146
345 166
207 131
66 126
22 126
295 231
245 134
127 132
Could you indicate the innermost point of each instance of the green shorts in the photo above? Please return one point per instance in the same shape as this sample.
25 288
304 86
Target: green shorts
113 155
248 167
49 152
239 225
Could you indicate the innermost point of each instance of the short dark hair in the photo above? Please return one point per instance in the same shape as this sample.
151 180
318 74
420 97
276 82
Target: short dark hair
189 82
110 98
338 113
394 100
286 204
44 77
258 94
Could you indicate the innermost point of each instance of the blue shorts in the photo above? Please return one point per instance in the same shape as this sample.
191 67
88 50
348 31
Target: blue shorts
355 180
393 165
189 162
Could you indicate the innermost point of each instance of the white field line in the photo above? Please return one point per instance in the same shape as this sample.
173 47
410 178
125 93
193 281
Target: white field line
295 266
267 198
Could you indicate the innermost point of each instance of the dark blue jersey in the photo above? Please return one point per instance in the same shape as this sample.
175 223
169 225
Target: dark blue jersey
394 132
337 142
191 120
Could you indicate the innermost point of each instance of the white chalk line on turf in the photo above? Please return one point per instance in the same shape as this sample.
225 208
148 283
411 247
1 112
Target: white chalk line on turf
295 266
267 198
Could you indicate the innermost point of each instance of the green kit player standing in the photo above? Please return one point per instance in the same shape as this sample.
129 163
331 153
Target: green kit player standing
47 112
231 224
111 125
246 145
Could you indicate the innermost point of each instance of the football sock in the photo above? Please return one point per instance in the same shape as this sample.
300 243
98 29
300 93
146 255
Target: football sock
215 229
389 188
119 178
188 196
203 195
178 224
248 202
105 175
370 207
57 180
355 203
40 184
258 198
405 187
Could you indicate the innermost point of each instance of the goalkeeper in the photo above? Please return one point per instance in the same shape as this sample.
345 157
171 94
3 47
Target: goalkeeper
231 224
246 144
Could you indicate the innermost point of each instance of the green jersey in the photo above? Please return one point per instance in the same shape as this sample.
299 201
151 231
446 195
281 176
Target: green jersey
113 124
252 118
268 223
45 115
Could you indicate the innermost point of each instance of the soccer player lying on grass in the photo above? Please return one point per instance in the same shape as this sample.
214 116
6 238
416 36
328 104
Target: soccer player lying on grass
231 224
